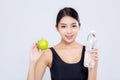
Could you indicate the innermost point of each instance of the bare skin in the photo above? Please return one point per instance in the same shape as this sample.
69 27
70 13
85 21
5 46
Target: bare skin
68 49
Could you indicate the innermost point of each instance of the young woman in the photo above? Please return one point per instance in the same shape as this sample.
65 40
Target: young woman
66 58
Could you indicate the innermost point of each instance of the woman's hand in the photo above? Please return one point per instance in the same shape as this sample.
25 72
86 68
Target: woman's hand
92 75
94 57
35 54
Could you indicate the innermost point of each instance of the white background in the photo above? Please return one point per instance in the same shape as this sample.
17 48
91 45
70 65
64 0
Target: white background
22 22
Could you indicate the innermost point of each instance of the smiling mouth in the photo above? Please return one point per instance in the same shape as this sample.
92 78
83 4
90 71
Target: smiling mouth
69 36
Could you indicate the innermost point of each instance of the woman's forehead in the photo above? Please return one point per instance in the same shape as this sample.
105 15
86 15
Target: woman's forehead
68 20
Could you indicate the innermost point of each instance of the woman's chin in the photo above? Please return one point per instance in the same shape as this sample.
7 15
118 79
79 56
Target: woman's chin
68 41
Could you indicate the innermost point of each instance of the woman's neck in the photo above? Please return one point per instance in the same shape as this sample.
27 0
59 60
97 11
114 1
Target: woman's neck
64 44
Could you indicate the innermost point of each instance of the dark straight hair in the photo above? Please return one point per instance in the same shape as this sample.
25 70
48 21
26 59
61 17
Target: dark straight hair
67 11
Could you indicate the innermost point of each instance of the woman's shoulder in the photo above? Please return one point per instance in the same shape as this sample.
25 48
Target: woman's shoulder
46 53
46 56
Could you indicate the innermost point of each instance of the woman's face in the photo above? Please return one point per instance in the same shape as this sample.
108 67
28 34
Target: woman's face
68 28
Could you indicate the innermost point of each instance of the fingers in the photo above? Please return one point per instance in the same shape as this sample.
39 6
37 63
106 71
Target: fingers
34 53
95 50
94 54
35 47
94 57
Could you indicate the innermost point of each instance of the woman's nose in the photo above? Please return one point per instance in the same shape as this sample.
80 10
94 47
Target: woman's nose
69 30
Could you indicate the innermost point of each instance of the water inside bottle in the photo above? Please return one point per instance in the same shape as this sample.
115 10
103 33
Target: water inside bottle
91 40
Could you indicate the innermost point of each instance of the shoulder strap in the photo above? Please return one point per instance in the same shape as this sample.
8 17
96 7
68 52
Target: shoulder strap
54 54
83 54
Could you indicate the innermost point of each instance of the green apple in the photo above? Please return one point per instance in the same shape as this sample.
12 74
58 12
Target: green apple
42 44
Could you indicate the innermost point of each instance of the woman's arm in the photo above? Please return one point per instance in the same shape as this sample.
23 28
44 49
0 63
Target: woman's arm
31 72
92 72
36 71
43 62
34 57
38 63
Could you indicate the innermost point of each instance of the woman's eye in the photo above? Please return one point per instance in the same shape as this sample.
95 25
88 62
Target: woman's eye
63 26
74 26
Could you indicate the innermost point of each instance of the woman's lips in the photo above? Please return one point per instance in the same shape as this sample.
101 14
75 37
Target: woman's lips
69 36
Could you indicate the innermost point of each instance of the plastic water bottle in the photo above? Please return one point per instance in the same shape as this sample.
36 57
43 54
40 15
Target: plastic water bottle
91 40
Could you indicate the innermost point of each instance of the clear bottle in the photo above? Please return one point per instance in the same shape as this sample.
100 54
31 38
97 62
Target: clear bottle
91 41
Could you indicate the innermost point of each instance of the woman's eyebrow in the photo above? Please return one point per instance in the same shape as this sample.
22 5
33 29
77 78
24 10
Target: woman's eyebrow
66 24
63 24
74 23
